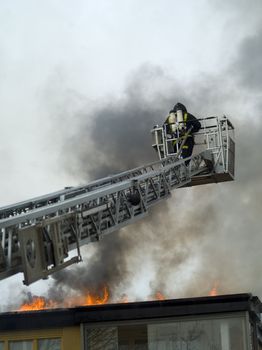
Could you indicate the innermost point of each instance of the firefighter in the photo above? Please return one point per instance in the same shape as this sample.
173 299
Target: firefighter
180 123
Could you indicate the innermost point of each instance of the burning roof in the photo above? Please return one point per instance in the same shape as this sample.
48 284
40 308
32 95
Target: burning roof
129 311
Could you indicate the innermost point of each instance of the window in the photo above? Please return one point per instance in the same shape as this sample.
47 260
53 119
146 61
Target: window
49 344
220 334
226 333
42 344
132 337
21 345
102 338
1 345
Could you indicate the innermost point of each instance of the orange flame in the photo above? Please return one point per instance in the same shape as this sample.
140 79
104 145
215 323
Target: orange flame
159 296
97 299
213 292
38 303
41 303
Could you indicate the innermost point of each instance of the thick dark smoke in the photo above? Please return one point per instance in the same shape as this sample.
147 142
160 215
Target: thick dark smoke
118 138
230 253
115 136
213 232
201 237
249 63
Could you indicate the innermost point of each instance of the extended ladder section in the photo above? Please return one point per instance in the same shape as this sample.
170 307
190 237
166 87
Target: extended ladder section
37 235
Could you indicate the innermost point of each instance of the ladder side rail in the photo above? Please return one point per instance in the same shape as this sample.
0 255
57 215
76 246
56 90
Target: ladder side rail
39 213
29 205
55 197
167 179
47 200
130 173
86 213
65 205
167 164
161 179
104 218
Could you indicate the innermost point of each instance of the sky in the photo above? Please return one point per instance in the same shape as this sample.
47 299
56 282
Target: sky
82 83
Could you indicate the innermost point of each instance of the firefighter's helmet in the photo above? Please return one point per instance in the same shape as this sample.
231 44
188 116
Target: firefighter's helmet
180 107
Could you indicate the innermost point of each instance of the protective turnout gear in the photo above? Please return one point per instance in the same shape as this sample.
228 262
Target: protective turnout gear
179 122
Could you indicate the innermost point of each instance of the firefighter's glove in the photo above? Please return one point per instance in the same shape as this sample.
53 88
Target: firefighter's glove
182 132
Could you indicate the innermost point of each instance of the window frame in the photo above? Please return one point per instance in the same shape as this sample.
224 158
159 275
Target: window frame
50 338
6 342
20 340
243 315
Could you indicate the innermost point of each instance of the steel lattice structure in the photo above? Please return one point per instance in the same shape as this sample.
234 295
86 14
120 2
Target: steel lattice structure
37 235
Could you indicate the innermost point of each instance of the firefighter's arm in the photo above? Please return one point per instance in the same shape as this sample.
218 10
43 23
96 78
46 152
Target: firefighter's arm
194 124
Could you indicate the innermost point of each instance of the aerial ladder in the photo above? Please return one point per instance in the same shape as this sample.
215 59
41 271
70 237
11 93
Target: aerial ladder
43 235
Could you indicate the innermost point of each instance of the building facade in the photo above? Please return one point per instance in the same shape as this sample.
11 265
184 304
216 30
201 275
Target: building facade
229 322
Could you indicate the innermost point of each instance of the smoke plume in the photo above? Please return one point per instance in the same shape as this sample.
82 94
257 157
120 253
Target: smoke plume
201 237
